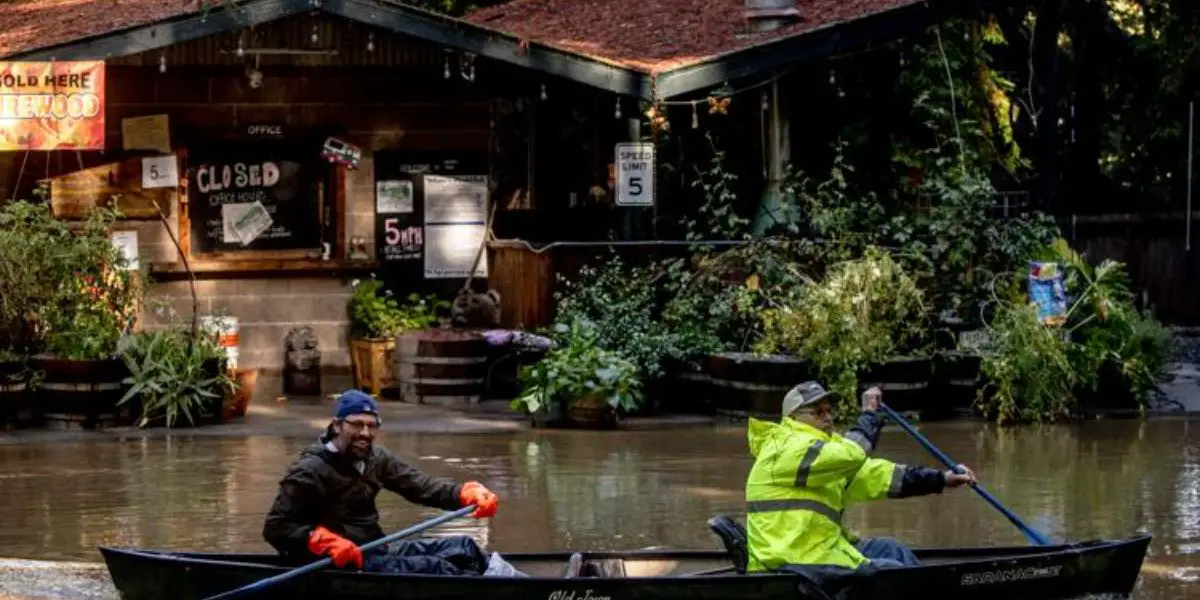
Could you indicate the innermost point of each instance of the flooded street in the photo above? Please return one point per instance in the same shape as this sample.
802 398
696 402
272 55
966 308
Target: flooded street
594 490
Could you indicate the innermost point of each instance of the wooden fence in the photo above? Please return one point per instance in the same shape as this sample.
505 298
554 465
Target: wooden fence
1155 248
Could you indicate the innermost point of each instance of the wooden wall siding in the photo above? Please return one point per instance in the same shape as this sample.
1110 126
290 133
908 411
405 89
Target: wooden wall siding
1157 261
349 38
354 101
525 281
372 112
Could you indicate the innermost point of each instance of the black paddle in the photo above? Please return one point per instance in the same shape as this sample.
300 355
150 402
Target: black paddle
258 586
1034 535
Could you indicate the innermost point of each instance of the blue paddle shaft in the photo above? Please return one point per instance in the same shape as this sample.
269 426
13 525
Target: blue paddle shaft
258 586
1034 535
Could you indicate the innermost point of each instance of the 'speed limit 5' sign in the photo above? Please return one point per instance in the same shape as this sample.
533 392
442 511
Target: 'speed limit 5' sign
635 174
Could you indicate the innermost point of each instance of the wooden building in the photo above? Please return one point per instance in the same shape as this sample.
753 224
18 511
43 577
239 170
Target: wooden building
303 144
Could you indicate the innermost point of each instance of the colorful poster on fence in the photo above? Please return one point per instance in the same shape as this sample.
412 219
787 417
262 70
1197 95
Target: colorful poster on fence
52 105
1047 291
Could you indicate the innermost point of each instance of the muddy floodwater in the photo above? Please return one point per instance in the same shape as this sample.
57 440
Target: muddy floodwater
593 490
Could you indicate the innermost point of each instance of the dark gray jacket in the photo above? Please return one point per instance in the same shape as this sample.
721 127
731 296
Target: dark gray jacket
325 488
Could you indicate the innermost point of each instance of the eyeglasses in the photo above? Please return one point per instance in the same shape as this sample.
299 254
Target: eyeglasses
820 410
356 426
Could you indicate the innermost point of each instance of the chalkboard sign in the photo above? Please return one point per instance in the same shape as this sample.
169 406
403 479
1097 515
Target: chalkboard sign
253 195
406 226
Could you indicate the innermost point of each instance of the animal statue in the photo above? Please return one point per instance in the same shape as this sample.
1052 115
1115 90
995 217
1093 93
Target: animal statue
472 309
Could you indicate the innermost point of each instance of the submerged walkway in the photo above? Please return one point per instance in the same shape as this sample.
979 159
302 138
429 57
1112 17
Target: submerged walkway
269 414
40 580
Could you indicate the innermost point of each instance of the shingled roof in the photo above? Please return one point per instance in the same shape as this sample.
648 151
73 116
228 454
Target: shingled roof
642 48
659 35
30 24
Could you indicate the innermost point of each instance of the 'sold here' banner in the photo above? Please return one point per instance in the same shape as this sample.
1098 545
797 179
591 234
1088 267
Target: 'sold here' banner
52 105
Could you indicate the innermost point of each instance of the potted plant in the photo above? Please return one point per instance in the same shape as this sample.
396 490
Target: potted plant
856 321
28 275
91 300
375 321
579 382
174 373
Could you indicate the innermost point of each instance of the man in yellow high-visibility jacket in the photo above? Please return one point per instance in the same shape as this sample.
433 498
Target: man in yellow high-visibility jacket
804 476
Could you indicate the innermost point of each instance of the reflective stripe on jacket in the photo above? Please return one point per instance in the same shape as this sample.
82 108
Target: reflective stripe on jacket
801 482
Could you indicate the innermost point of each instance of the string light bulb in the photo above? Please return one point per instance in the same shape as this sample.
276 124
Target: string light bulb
695 117
543 91
241 49
446 67
315 38
617 110
162 62
371 42
466 66
832 77
763 102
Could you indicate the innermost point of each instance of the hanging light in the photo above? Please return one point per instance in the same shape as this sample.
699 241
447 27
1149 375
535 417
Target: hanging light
446 66
695 117
371 42
241 49
162 62
315 38
543 91
617 111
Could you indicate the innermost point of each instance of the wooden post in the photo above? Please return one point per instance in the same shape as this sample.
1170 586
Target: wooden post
779 154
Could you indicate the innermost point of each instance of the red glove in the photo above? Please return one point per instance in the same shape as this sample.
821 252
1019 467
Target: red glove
484 500
324 542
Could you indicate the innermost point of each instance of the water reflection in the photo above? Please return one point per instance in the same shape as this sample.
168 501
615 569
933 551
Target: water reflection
604 490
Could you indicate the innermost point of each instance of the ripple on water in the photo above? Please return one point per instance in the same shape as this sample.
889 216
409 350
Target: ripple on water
616 490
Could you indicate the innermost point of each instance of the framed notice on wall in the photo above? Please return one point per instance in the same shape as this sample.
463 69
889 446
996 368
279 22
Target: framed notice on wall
253 195
430 212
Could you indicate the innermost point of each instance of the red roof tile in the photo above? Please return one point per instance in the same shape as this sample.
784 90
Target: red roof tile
657 35
31 24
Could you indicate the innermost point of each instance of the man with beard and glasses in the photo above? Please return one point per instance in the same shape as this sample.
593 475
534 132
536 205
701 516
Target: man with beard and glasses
326 503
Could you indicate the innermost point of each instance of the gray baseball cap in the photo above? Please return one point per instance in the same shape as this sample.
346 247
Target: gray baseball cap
805 394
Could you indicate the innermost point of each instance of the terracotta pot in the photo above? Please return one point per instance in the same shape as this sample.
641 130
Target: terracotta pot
238 401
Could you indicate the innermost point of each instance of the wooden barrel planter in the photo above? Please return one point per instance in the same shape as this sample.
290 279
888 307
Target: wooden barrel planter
904 380
591 412
751 385
958 379
503 369
77 394
446 367
14 383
